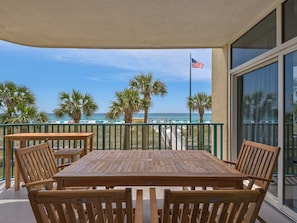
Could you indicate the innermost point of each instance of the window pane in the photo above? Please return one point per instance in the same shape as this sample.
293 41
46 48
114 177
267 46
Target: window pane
290 134
289 20
259 105
259 39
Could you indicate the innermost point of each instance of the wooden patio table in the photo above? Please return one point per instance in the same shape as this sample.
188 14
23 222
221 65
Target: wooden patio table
23 137
149 168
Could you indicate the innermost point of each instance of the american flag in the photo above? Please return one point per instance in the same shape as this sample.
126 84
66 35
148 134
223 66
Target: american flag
196 64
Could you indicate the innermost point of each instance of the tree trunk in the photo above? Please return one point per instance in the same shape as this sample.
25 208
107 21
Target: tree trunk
23 143
200 141
128 121
127 137
145 131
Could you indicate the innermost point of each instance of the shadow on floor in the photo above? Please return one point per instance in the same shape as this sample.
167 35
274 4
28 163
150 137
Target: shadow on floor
15 207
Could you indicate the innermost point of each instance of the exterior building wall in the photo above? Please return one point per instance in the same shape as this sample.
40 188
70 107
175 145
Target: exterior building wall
220 92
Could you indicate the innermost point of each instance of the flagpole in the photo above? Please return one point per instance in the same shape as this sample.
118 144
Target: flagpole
190 86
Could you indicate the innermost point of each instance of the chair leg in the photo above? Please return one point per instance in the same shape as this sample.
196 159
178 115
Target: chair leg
154 216
260 219
189 188
139 206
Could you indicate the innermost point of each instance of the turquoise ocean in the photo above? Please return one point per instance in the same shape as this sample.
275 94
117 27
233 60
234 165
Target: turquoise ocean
153 118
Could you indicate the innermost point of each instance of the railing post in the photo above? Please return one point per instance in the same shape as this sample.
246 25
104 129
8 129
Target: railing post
215 139
3 154
103 137
160 138
221 141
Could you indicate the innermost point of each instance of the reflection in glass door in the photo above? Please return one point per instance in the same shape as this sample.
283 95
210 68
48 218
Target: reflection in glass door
290 132
258 110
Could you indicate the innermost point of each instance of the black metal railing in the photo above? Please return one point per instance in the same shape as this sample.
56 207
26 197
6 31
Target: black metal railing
111 136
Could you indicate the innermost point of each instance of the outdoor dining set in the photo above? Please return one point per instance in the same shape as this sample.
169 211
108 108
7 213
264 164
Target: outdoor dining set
109 185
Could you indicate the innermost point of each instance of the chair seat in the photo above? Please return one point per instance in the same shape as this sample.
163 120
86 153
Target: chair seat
68 154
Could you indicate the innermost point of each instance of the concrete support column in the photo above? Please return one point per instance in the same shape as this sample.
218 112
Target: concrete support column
220 92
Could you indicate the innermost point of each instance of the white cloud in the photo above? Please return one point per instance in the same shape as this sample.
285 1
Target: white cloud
164 64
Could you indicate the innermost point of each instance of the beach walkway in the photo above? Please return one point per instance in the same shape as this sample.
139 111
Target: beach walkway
173 137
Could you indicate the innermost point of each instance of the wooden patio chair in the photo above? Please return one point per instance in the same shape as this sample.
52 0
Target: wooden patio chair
204 206
97 206
257 161
37 165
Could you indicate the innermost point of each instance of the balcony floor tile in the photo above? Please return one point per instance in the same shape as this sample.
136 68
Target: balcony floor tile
15 207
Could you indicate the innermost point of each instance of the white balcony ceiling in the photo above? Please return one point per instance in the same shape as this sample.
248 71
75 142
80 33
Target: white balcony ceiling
128 23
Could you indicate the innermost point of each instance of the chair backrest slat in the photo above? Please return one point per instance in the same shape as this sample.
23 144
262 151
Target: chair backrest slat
70 206
258 160
209 205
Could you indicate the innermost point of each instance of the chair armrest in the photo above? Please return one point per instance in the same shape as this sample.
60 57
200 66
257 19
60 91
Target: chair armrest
63 165
139 207
186 188
229 162
40 182
259 178
251 181
153 206
191 188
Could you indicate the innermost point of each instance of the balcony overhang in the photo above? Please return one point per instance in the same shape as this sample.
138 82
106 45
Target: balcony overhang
130 24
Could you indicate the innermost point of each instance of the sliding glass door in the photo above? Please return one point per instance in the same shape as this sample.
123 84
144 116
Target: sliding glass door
258 109
290 131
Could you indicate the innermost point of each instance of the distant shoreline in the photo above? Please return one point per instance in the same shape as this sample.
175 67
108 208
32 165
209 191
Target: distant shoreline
98 118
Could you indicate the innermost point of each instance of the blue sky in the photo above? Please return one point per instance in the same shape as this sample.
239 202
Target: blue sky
47 72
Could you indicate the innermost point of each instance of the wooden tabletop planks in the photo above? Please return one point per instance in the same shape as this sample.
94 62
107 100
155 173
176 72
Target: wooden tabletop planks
149 167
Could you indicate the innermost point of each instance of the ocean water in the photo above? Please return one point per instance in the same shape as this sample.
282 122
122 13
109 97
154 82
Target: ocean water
153 117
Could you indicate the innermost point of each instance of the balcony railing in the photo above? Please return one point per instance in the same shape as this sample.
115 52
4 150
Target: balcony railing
110 136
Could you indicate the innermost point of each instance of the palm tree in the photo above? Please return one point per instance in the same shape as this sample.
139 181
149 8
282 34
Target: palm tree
145 85
75 104
17 105
11 96
127 103
199 102
25 114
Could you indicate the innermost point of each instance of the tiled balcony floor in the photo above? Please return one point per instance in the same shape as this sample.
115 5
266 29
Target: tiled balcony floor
15 207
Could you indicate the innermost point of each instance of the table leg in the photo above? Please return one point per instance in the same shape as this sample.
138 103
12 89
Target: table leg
85 146
17 175
8 163
59 185
91 143
239 185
